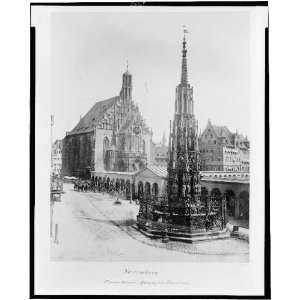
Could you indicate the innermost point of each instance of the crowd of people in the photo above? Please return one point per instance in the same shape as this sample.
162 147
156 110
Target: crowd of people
84 185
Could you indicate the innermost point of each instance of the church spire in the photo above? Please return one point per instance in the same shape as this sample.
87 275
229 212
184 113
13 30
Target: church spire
126 85
184 75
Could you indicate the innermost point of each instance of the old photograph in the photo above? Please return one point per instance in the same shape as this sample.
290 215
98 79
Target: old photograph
153 147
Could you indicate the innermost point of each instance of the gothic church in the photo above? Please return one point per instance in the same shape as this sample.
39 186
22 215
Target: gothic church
112 136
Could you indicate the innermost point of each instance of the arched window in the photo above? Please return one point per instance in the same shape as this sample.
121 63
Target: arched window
155 189
105 123
105 144
105 153
244 205
147 188
230 202
140 190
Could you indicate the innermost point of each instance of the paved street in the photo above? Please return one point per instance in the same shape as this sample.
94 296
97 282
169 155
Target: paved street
92 227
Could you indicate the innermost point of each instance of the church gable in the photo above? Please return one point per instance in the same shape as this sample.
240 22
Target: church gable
107 119
126 126
134 123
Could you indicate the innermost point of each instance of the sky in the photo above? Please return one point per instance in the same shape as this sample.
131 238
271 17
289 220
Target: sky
89 51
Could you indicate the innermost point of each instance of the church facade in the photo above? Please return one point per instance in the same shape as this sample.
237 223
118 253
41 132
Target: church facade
111 137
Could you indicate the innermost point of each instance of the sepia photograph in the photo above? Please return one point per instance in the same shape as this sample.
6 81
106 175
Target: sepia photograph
150 149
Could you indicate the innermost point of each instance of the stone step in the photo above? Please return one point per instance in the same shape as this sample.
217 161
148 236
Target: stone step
184 237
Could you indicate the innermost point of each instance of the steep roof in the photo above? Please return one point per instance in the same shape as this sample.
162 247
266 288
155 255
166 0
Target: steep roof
156 170
222 131
94 114
159 171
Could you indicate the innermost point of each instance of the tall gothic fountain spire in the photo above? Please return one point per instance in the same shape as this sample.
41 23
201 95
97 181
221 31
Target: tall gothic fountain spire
185 210
184 91
184 72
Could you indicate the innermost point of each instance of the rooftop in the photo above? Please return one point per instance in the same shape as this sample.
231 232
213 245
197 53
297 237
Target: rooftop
94 115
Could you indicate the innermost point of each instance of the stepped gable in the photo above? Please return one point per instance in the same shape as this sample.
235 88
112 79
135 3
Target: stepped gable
126 125
134 117
95 114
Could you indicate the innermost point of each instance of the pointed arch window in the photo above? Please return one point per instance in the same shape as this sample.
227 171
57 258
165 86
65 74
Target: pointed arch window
105 144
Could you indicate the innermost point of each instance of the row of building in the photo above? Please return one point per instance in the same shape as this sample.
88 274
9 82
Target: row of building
220 150
112 140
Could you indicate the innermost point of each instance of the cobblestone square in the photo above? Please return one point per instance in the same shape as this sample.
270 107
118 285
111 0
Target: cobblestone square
91 227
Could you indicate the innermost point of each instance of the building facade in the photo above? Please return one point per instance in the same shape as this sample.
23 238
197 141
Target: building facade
222 150
112 136
160 153
56 157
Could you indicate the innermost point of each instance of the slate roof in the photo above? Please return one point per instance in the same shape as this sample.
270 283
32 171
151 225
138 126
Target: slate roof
222 131
94 114
159 171
156 170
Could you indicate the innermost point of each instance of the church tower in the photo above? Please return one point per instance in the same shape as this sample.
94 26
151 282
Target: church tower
126 91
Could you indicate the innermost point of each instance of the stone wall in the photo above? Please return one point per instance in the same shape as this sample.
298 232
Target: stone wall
78 157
